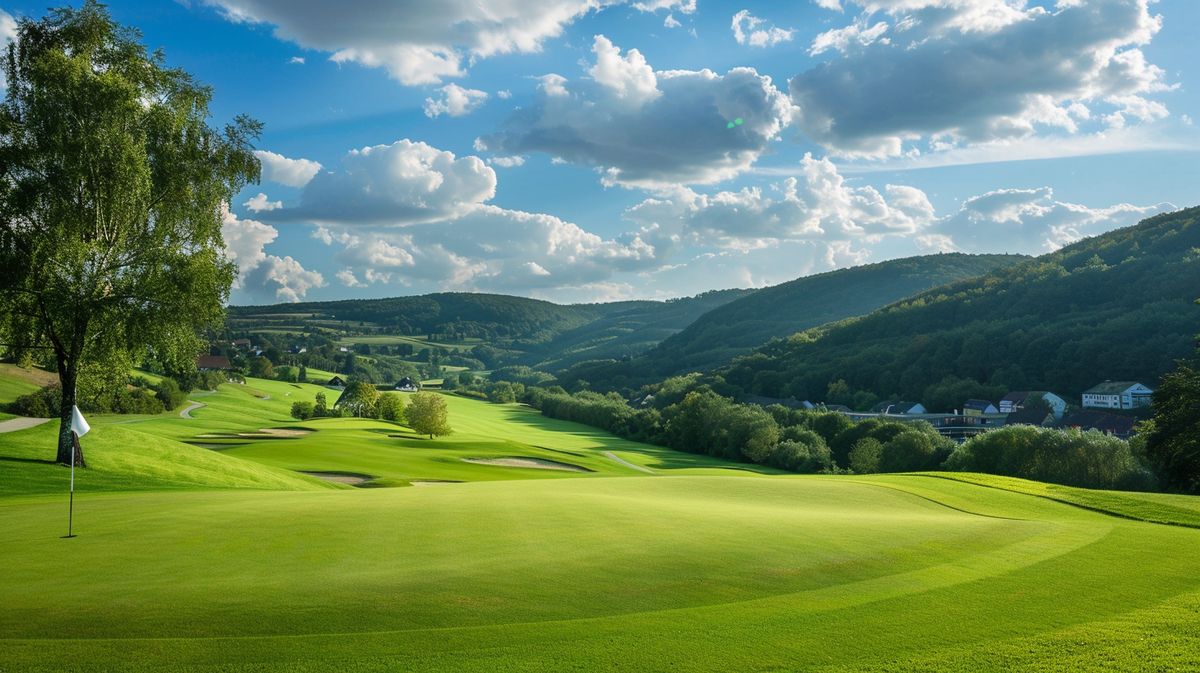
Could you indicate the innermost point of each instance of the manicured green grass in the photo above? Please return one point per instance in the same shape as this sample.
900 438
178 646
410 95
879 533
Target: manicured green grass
190 559
120 459
685 573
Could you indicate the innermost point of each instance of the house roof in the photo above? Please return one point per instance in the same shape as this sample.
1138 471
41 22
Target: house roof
213 362
978 404
900 407
1110 388
1016 396
1028 417
1099 420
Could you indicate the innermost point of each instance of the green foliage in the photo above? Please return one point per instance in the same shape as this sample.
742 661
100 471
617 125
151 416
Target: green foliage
261 368
866 456
1173 443
427 414
111 206
168 392
911 451
1087 459
359 399
302 410
391 407
1060 322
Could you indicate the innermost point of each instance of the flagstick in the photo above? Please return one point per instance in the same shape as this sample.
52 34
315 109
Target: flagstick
71 505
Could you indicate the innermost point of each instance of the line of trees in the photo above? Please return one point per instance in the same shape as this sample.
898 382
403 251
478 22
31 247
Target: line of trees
687 415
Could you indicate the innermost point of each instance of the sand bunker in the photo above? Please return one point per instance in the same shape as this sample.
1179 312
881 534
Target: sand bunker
537 463
341 477
282 432
433 482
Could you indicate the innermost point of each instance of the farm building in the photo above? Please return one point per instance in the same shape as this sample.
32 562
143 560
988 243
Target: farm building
407 385
979 408
1019 399
1117 395
336 382
241 343
213 363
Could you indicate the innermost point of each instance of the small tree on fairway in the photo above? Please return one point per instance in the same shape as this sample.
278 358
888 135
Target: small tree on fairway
426 413
391 407
111 200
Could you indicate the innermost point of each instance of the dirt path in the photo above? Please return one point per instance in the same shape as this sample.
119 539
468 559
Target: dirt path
619 460
186 412
21 423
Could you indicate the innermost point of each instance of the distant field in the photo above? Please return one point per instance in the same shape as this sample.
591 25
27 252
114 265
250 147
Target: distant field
192 559
416 341
15 381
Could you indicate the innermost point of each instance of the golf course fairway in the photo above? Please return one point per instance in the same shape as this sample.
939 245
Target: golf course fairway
228 560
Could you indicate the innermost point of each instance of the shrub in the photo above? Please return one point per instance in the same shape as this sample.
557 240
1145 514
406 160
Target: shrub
169 393
1088 459
866 455
391 407
302 410
908 451
44 403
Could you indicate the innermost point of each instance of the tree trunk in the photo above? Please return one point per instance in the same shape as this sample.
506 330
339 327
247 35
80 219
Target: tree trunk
68 374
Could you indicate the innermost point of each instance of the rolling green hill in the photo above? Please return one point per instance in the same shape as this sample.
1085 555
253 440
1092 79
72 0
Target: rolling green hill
739 326
527 331
1118 306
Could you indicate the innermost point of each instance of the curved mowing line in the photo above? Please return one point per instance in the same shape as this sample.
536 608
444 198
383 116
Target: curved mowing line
937 502
621 461
1058 541
1051 498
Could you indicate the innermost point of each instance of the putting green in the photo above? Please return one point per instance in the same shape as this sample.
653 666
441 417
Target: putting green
691 573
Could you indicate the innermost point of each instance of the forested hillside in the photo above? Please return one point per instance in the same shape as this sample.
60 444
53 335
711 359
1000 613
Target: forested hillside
1118 306
628 328
749 322
524 330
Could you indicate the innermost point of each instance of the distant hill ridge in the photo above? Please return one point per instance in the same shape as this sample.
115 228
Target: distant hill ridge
1117 306
739 326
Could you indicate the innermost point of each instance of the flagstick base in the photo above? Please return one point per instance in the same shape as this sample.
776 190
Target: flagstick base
68 536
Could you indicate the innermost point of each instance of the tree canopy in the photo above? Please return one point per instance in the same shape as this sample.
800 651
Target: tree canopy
112 189
427 414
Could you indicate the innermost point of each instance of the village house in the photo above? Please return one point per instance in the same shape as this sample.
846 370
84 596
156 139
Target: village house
241 343
1117 395
979 408
899 408
1109 424
1019 399
336 382
407 385
1030 416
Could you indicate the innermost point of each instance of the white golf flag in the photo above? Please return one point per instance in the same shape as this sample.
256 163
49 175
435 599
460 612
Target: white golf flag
79 425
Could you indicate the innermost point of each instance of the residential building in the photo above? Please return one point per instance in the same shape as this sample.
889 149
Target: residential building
213 363
979 408
1019 399
899 407
1117 395
1109 424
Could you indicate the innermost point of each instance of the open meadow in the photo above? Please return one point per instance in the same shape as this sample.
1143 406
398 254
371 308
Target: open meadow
203 547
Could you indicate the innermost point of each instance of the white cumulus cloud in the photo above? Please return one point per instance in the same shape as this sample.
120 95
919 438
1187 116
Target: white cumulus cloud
455 101
648 128
756 32
264 276
285 171
260 202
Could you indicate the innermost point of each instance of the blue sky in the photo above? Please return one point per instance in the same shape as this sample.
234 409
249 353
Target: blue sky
587 150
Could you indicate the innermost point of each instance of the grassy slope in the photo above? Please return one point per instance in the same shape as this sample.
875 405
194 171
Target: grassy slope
481 430
15 381
698 571
683 574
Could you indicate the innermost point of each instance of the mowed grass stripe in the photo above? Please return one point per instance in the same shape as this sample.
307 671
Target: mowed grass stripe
1091 583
